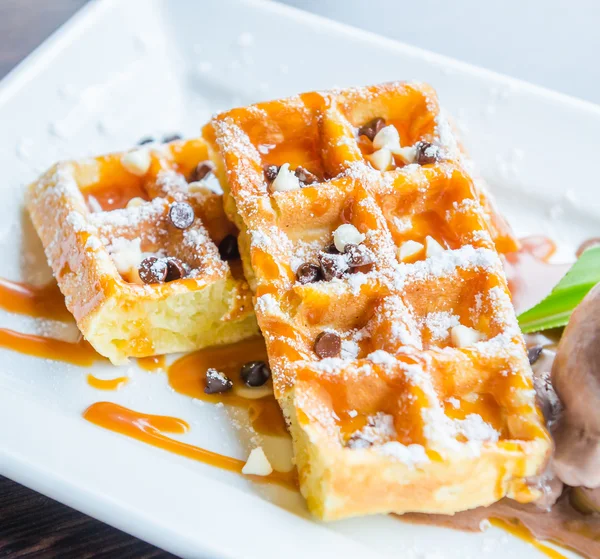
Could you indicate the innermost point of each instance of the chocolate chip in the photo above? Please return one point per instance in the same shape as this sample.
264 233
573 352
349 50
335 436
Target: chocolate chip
308 273
371 128
331 249
171 138
534 353
427 153
203 169
328 344
228 248
255 373
217 382
145 140
271 172
587 244
305 176
181 215
175 269
361 269
153 270
332 265
546 396
358 255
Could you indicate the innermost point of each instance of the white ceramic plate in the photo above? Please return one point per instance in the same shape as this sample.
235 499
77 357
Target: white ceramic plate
122 70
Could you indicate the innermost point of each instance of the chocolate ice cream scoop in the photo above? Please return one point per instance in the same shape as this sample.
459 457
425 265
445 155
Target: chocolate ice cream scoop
585 500
576 379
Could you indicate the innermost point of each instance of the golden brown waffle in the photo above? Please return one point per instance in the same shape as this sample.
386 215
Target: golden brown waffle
405 381
98 219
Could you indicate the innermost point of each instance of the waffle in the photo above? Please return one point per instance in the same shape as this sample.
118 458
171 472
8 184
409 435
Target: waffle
136 283
401 370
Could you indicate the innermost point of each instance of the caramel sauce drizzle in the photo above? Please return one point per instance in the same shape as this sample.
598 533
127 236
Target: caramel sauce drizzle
45 301
150 429
517 529
106 384
80 353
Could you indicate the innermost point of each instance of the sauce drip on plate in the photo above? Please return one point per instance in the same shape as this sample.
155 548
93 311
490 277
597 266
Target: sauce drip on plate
45 301
562 525
529 273
106 384
187 375
150 429
517 529
80 353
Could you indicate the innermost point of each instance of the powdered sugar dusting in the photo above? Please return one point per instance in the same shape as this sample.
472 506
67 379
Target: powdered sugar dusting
381 357
446 264
77 221
412 455
439 324
130 217
378 430
475 429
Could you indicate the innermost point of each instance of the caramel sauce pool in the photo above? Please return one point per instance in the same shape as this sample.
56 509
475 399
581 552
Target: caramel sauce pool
150 429
116 196
187 375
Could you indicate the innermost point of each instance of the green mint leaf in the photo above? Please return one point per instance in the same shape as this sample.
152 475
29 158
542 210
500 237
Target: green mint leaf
555 310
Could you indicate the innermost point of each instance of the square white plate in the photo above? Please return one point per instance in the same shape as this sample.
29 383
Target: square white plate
122 70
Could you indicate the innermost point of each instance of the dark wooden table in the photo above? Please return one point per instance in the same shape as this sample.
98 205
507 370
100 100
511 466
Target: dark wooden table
32 525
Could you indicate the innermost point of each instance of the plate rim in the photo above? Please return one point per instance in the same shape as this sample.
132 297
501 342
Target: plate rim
18 77
83 17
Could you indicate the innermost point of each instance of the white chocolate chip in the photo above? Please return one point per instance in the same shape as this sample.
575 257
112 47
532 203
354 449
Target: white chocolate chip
132 275
347 234
408 155
135 202
127 256
254 393
432 247
94 205
257 463
463 336
285 180
454 402
387 137
137 161
409 249
125 253
381 159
